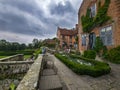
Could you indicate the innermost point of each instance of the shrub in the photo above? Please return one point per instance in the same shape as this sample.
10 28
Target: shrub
37 52
113 55
98 45
91 54
97 69
77 52
104 53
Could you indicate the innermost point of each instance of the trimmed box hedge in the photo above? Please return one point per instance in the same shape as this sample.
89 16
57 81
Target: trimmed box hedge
97 69
91 54
113 55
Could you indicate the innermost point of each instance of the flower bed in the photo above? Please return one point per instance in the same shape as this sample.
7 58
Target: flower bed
96 69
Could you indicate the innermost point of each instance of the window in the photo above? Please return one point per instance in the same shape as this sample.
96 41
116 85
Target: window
93 10
92 38
106 35
83 40
70 37
63 37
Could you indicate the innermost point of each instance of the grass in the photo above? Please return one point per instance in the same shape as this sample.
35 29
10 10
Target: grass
3 56
27 56
27 53
9 53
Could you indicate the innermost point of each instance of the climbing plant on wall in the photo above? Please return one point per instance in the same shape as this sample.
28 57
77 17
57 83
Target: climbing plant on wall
88 23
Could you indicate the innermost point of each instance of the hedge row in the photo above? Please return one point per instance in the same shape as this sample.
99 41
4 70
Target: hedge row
91 54
8 53
113 55
97 68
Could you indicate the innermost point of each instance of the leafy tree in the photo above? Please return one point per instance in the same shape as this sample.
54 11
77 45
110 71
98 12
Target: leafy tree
35 43
11 46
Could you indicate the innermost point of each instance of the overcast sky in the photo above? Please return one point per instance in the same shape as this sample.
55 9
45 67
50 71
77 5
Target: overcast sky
23 20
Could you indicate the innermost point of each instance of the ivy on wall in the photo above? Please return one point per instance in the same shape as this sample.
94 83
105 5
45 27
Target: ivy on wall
88 23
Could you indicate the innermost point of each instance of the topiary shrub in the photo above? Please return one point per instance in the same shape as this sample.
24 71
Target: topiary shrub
98 45
113 55
104 53
91 54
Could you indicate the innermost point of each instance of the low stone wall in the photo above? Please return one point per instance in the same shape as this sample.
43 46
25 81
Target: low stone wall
18 57
30 80
12 68
5 84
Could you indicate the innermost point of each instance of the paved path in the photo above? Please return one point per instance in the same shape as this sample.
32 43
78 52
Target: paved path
49 79
72 80
84 82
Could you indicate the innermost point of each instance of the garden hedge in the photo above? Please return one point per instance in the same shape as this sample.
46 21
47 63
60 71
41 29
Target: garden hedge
97 69
91 54
8 53
113 55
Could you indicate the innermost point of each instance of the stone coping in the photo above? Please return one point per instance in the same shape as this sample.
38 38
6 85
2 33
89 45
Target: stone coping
16 62
30 80
9 57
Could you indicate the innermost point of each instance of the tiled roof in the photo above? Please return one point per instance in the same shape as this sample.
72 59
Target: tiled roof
49 41
66 32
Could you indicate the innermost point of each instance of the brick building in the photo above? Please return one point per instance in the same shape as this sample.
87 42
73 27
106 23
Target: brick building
49 41
109 31
67 37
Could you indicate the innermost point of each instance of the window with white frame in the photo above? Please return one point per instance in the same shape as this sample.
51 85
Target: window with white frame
93 10
106 35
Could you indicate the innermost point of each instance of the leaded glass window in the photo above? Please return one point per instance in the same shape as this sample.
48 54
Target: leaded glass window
106 35
93 10
83 40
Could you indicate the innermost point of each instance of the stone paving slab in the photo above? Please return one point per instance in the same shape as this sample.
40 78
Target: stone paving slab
50 83
47 72
72 80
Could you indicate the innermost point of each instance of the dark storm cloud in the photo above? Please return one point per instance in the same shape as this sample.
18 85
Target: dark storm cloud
36 17
61 9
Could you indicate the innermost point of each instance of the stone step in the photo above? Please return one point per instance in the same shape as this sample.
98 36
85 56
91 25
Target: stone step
48 72
50 83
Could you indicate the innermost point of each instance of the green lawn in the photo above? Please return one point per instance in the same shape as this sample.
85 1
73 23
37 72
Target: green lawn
27 56
3 56
27 53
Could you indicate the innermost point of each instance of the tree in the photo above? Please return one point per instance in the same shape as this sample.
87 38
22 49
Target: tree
22 46
30 46
35 43
9 46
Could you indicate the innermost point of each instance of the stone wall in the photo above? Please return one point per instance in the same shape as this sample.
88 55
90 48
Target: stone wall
11 68
30 80
5 84
18 57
